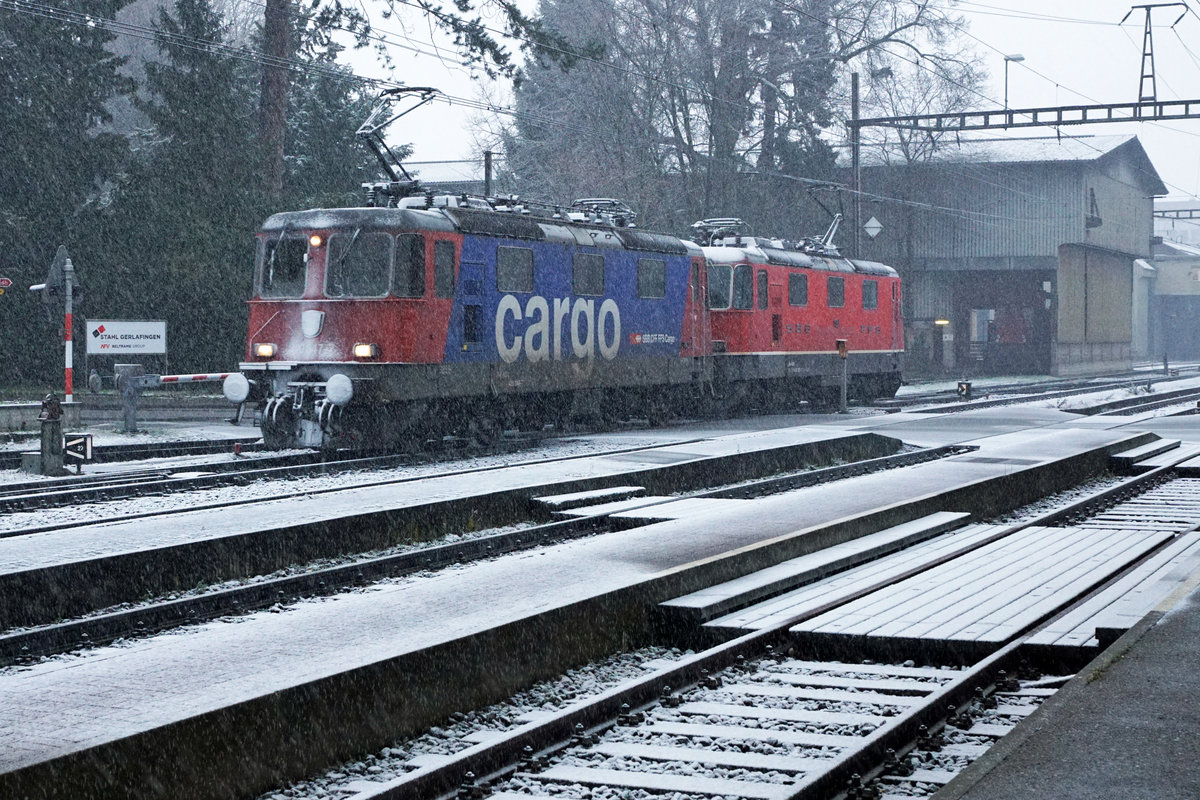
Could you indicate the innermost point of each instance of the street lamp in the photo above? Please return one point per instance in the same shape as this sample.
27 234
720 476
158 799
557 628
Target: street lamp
1013 57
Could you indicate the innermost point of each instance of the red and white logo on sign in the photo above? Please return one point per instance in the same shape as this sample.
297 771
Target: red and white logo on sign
98 331
5 283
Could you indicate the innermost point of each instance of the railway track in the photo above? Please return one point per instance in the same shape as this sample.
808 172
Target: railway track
764 717
257 465
1014 394
135 452
323 579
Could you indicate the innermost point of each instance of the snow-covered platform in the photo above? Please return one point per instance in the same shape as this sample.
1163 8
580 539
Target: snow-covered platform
1124 726
43 575
230 708
977 602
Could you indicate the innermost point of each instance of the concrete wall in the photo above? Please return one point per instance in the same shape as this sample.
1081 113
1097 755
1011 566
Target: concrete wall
23 417
1143 310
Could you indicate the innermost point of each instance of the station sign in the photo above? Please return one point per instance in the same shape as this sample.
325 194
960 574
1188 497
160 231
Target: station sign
124 336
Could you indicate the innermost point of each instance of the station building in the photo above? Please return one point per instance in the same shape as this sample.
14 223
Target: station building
1018 256
1174 301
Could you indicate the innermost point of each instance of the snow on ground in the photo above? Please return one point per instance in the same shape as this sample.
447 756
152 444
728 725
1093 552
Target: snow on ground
543 699
314 484
1144 389
109 434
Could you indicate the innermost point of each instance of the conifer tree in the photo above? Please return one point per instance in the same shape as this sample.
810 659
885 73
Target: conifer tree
55 77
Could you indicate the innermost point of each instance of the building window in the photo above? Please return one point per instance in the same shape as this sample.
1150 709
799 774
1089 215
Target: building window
587 274
836 288
514 269
652 278
797 289
410 265
870 294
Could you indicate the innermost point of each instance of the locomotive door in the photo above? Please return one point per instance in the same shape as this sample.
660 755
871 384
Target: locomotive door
699 324
897 319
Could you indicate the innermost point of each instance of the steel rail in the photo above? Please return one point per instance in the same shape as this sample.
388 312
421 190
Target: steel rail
502 755
158 616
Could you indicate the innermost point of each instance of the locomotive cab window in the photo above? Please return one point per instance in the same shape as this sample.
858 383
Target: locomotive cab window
870 294
836 288
284 266
652 278
797 289
743 286
443 269
514 269
358 264
762 288
719 277
587 274
410 265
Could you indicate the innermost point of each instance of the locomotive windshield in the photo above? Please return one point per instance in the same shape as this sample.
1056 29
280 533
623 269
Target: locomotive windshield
743 286
282 266
720 277
358 265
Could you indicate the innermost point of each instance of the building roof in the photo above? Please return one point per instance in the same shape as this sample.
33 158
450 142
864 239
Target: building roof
1046 150
1174 250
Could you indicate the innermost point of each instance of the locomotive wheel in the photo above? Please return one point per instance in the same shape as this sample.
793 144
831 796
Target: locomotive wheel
485 430
278 425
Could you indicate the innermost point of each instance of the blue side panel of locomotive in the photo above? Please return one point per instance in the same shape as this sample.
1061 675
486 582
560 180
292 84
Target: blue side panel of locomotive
621 324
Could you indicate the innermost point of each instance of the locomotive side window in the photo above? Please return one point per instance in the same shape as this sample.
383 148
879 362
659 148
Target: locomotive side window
472 324
870 294
743 286
358 264
443 269
587 274
410 265
837 292
762 288
652 278
284 266
719 277
514 269
797 289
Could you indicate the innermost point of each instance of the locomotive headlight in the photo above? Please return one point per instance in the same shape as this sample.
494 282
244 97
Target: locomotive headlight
315 240
362 350
264 350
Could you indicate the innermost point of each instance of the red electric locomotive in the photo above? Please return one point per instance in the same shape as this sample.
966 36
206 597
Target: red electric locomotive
778 310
